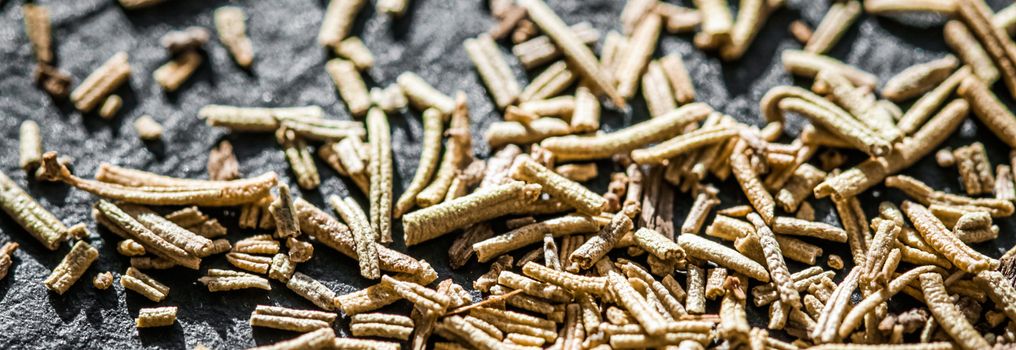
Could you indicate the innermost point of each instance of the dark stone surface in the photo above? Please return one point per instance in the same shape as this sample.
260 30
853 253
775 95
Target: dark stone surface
288 71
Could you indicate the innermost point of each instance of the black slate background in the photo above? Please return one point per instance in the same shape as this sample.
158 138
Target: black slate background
288 71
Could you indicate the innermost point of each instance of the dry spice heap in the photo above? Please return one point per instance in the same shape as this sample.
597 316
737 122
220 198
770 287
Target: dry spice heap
604 270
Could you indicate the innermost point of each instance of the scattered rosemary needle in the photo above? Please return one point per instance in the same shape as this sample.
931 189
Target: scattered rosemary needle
566 266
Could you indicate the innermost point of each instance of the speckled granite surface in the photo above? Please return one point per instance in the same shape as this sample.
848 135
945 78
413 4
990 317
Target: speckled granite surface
288 71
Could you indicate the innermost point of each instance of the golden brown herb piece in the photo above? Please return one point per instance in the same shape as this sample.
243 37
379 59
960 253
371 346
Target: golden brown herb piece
751 16
989 109
970 51
29 146
540 50
558 186
715 283
572 48
232 29
974 168
717 23
826 114
350 85
927 104
835 23
634 12
950 246
380 173
345 157
551 82
677 76
533 287
363 235
257 119
650 320
110 106
1004 189
598 246
290 319
284 213
144 285
586 116
657 129
1000 290
640 50
494 71
656 90
102 82
380 330
227 280
180 41
122 223
299 158
423 297
458 153
71 267
678 19
705 201
774 260
791 226
175 72
37 27
799 187
156 317
253 215
809 65
493 247
147 128
428 161
561 107
801 31
919 78
683 144
871 172
188 241
338 21
757 195
320 339
948 314
835 309
282 268
252 263
102 280
927 196
6 257
977 16
508 19
30 215
364 344
657 244
868 304
431 222
395 8
422 96
579 172
503 133
704 249
354 50
330 232
312 290
222 163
